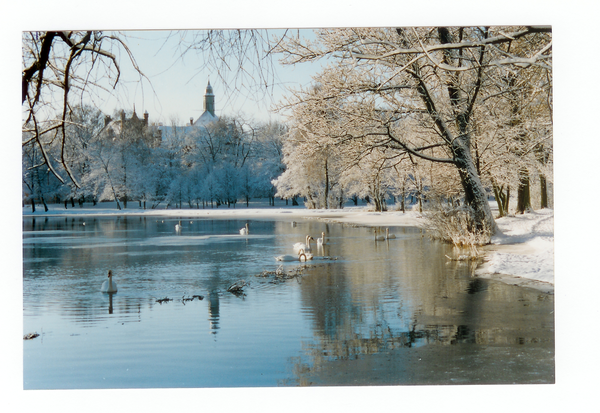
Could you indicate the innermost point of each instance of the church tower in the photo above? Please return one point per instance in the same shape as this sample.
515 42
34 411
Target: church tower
209 100
208 115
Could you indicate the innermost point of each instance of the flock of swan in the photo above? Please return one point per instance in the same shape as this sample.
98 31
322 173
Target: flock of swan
110 286
302 250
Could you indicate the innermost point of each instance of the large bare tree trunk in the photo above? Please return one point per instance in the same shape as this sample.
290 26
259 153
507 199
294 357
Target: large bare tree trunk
475 195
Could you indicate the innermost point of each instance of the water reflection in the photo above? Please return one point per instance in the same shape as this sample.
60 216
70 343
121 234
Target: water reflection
213 312
110 302
382 316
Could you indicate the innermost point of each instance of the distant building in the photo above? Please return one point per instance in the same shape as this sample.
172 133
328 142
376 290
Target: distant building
155 134
208 116
132 128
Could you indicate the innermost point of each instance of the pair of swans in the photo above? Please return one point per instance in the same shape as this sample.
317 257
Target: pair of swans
243 231
109 286
387 235
306 245
302 249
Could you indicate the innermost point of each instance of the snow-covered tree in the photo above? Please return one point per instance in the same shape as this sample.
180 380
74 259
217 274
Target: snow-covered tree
414 90
311 171
514 138
267 158
103 159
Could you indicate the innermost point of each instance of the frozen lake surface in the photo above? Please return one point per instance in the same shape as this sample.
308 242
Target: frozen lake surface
392 312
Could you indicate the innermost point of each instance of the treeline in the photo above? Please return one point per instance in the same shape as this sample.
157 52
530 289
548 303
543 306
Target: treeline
127 160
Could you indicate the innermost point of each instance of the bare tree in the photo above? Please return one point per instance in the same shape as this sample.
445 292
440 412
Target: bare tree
58 68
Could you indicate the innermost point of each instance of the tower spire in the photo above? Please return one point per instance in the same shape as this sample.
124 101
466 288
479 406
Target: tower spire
209 99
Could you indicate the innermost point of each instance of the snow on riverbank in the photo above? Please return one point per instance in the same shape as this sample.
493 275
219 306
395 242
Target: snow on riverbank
523 250
521 253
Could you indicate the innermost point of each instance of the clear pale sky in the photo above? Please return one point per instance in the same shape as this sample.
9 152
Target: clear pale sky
175 86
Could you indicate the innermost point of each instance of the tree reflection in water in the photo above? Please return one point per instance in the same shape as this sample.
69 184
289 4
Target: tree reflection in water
453 329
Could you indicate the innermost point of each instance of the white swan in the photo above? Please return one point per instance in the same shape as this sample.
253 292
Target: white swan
307 255
303 246
379 237
321 241
289 257
109 286
178 227
388 235
245 230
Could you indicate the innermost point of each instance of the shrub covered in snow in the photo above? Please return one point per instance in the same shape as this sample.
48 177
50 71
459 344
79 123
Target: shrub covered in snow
455 224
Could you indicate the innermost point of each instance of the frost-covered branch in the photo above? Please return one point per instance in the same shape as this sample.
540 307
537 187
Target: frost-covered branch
62 63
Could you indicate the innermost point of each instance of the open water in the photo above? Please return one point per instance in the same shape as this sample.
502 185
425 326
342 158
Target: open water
391 312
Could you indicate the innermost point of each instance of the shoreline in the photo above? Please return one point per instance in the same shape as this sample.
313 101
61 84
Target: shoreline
359 215
483 270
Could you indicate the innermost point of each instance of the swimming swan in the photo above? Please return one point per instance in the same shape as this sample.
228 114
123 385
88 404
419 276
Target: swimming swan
178 227
388 235
245 230
321 241
289 257
379 237
307 255
109 286
303 246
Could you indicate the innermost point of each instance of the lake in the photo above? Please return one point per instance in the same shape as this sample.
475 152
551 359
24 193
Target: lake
369 313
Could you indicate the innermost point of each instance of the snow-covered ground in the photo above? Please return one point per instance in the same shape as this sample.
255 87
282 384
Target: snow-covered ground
521 253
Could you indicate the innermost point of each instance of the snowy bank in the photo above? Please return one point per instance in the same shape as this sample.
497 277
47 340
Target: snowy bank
522 252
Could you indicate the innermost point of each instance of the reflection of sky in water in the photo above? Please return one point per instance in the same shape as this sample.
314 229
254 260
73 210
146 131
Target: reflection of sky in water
374 296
